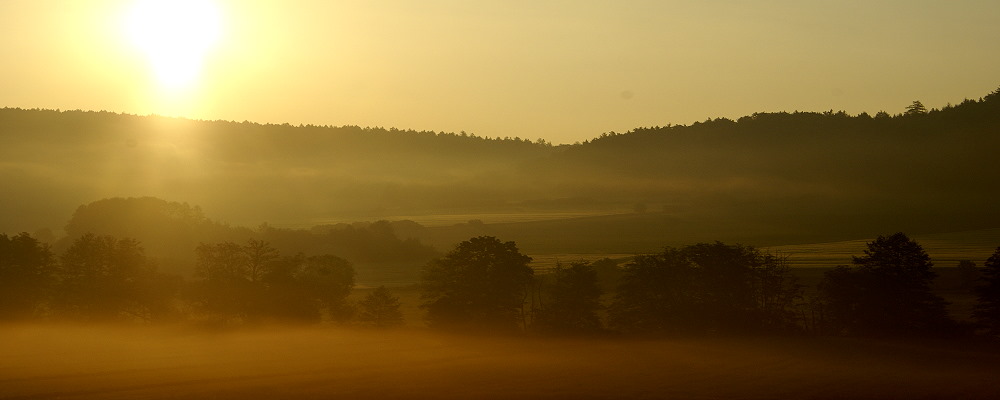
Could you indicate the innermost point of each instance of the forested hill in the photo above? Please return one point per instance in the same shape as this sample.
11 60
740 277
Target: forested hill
799 172
938 163
53 161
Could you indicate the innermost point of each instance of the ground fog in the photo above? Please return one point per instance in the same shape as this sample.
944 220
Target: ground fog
81 362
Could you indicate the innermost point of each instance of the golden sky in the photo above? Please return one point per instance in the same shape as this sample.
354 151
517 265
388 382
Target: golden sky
564 71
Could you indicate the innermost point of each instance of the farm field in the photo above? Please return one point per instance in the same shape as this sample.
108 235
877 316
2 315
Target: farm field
945 249
438 220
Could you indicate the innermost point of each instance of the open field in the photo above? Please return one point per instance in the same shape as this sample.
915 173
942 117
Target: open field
74 362
437 220
945 249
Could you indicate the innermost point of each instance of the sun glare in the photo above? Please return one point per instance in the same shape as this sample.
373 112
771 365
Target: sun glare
175 36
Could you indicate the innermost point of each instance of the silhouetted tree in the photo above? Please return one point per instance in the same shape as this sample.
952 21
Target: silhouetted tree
380 309
573 301
168 230
775 291
126 217
481 284
656 294
254 282
705 287
104 278
329 280
987 309
887 292
26 268
230 290
916 108
259 256
225 261
281 296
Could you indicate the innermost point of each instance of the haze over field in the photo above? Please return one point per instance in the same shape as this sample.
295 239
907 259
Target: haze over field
122 363
495 199
780 178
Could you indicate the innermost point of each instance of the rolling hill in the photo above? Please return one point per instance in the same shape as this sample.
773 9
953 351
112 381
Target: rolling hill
765 179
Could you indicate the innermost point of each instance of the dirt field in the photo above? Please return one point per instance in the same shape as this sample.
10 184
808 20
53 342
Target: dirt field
73 362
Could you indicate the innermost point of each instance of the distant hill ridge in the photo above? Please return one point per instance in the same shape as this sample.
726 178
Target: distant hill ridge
814 171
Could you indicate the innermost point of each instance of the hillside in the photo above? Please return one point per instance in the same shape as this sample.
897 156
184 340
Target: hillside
827 168
244 173
768 178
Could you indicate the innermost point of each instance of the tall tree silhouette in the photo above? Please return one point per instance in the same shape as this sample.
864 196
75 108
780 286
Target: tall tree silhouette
916 108
886 292
259 256
481 284
573 301
328 280
104 278
230 290
255 282
26 268
380 309
705 287
656 294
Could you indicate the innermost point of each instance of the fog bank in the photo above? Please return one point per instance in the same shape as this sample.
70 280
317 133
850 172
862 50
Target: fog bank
81 362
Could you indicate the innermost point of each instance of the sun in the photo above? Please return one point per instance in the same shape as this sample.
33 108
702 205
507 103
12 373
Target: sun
175 36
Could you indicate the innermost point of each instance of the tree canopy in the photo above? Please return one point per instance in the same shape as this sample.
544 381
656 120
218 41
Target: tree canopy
573 301
705 287
916 108
105 278
26 275
255 282
481 284
887 291
380 309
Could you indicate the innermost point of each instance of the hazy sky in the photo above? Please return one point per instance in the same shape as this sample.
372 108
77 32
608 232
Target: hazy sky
560 70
